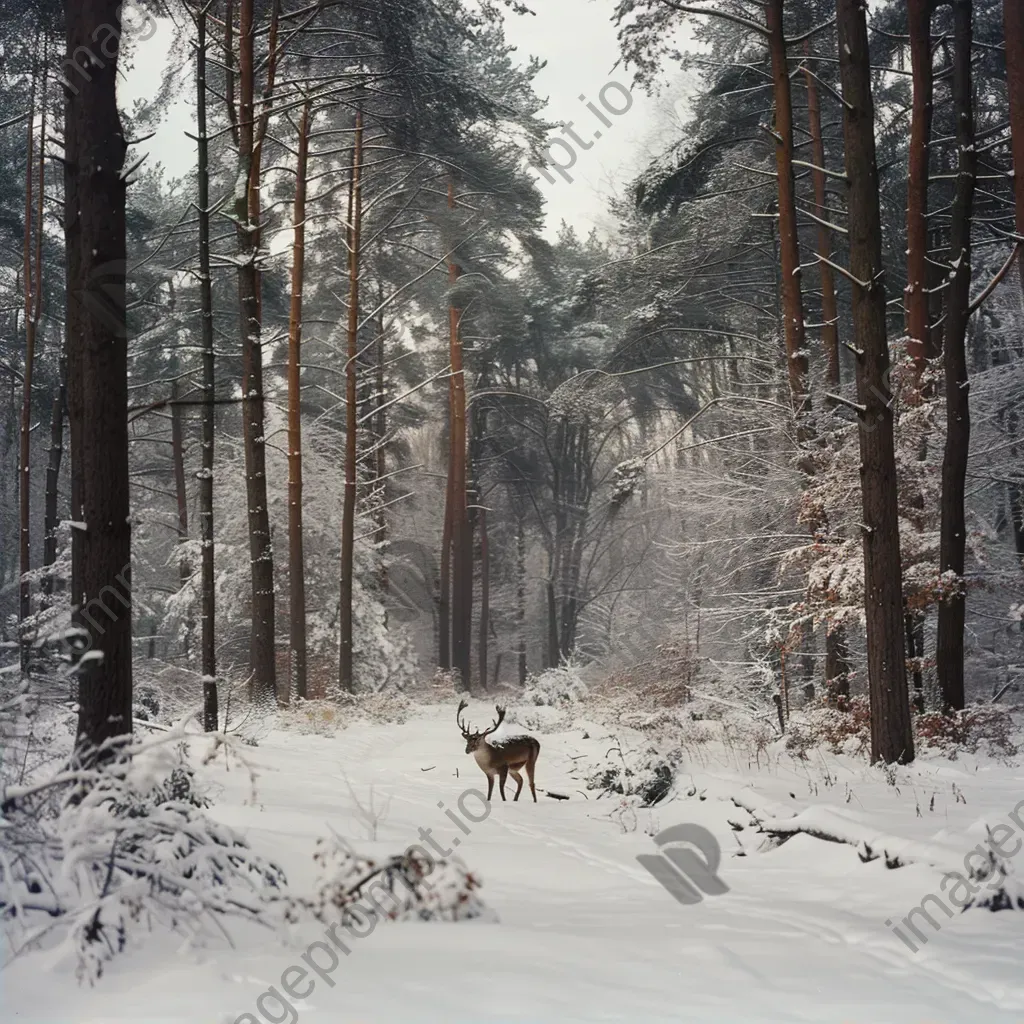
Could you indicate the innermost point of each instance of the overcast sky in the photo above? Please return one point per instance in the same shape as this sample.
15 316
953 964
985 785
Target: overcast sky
578 41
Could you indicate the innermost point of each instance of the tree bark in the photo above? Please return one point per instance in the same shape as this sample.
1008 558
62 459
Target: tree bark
296 561
54 458
461 535
380 429
953 530
444 657
94 230
829 307
178 458
554 658
521 597
485 598
891 734
919 20
1013 24
789 244
207 585
346 678
262 667
33 308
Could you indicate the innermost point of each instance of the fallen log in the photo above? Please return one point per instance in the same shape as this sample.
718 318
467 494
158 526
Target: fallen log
832 826
1003 891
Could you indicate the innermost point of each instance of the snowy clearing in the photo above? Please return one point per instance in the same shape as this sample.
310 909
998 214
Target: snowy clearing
584 933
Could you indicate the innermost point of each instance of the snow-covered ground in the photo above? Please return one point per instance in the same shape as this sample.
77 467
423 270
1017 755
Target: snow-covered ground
584 932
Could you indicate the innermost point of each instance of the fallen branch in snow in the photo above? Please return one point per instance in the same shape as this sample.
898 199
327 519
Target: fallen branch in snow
988 880
830 825
554 796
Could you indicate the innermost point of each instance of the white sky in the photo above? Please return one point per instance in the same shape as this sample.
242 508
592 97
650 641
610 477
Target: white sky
578 41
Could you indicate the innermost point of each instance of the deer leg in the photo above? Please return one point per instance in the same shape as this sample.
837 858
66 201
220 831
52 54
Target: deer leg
519 783
502 776
529 774
490 786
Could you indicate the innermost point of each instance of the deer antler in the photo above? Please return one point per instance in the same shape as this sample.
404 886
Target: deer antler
497 721
463 704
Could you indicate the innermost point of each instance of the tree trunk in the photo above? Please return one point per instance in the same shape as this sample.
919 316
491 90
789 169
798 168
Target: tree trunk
836 655
348 526
891 735
1013 23
208 598
94 231
553 653
829 308
33 308
953 531
296 561
914 625
521 597
260 134
262 668
54 458
837 663
380 429
178 457
444 657
461 534
789 245
919 19
485 599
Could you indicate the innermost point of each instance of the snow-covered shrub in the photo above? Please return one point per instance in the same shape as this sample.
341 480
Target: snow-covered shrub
845 727
647 775
556 687
1003 890
92 853
408 886
984 726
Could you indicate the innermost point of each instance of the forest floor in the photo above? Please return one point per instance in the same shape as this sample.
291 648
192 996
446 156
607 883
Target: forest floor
584 932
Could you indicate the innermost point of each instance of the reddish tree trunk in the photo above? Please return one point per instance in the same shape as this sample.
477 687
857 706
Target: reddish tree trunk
891 734
953 531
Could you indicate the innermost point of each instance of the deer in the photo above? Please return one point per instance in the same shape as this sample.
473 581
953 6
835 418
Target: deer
507 755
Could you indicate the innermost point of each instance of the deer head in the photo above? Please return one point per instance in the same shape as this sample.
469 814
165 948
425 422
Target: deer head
474 739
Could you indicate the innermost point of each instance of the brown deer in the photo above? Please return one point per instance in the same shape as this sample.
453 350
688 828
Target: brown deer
507 755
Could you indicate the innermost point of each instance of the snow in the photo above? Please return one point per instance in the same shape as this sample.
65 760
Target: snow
583 931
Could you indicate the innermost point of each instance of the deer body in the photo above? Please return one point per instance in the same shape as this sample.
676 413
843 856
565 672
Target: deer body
502 756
